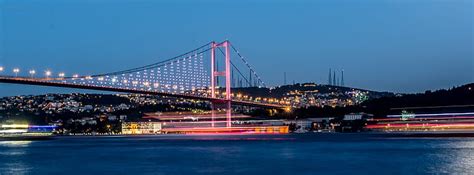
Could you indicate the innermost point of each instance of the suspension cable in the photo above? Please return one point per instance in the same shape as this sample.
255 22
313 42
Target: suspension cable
149 66
247 64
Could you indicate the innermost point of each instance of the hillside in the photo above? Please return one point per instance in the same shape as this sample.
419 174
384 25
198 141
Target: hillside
441 100
456 99
282 91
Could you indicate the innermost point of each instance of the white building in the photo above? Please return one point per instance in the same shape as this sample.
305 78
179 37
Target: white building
141 127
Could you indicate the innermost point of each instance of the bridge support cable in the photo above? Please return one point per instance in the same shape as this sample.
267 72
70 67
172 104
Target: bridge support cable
248 65
161 63
185 74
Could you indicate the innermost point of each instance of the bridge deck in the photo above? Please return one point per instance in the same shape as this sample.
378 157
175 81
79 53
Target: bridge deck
33 81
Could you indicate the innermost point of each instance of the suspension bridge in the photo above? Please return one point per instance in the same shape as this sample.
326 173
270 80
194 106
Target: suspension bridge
205 73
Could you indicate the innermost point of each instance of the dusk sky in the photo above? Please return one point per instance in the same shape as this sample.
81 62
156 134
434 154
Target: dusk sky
383 45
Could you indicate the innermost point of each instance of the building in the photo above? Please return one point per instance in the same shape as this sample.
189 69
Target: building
141 128
350 117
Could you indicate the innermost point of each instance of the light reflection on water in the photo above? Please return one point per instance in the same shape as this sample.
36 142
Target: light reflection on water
279 154
15 168
15 143
461 157
12 159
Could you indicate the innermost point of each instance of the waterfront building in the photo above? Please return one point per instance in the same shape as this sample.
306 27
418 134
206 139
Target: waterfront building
350 117
141 127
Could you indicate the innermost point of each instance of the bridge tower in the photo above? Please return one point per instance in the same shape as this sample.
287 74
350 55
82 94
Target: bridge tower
225 73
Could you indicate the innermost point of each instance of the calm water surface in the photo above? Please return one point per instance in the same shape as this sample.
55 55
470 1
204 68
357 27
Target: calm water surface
278 154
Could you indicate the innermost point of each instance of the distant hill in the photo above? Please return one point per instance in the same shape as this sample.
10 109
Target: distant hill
456 96
456 99
281 91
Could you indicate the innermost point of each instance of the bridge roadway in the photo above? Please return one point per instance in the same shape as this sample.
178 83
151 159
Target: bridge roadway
42 82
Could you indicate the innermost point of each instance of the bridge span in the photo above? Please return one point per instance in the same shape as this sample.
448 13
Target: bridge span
173 77
45 82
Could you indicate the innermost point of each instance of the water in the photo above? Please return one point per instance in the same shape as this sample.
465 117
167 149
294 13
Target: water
279 154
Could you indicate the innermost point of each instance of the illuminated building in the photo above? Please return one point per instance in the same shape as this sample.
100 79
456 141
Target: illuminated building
353 117
141 127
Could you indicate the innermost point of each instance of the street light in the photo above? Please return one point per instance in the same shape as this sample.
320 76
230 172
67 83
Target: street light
32 73
61 74
47 73
16 71
1 69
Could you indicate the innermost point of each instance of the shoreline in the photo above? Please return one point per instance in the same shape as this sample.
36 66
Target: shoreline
384 134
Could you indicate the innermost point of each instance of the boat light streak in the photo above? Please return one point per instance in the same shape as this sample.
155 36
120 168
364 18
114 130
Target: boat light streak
15 126
439 114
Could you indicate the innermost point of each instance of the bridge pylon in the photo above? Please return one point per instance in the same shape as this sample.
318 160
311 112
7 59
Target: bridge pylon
215 73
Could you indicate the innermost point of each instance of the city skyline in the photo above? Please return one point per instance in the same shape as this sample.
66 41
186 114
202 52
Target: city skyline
432 53
236 87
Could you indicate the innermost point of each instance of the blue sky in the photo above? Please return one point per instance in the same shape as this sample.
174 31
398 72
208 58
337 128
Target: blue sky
385 45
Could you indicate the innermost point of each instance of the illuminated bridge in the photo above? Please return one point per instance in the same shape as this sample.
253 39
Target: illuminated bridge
205 73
